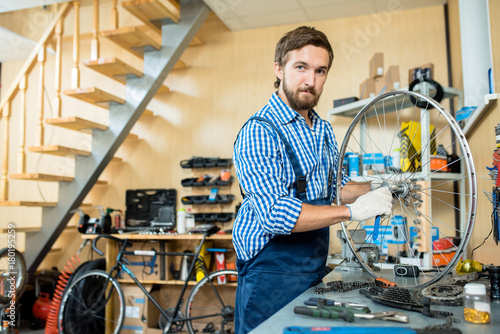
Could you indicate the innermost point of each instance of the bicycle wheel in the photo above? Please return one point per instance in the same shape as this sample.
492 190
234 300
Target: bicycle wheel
211 305
12 264
93 303
434 195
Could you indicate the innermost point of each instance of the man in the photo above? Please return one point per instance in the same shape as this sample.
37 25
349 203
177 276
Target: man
285 158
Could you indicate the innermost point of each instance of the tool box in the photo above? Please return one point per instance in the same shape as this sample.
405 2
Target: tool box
145 206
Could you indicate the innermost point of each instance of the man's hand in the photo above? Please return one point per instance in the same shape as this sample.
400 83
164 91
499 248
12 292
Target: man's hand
372 204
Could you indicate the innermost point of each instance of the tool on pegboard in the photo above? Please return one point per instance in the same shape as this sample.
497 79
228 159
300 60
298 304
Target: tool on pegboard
495 194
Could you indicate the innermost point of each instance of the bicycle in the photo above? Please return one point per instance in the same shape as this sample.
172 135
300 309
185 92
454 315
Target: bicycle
95 303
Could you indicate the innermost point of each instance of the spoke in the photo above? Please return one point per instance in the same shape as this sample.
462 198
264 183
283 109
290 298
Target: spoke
450 192
410 213
397 127
438 185
442 224
423 148
449 205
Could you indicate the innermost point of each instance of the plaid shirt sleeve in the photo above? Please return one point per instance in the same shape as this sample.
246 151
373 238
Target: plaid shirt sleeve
259 168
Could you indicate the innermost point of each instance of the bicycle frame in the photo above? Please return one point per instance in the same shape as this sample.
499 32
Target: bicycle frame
121 264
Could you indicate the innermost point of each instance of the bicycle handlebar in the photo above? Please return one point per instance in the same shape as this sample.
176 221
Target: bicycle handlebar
107 236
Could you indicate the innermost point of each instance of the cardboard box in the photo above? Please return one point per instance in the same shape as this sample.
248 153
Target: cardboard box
389 82
367 89
135 309
392 78
380 86
377 65
429 66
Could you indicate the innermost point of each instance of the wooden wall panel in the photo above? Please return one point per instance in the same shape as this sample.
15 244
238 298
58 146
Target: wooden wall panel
482 143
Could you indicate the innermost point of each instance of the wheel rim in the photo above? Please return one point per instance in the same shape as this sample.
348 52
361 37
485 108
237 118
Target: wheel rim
377 129
203 301
85 309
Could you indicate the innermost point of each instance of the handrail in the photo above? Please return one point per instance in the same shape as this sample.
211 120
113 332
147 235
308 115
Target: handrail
32 59
20 84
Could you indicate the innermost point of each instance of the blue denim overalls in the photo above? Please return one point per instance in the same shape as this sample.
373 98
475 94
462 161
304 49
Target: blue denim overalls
286 266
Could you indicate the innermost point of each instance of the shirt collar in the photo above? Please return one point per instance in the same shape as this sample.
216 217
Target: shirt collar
285 114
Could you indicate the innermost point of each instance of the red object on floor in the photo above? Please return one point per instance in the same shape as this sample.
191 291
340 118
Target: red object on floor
41 306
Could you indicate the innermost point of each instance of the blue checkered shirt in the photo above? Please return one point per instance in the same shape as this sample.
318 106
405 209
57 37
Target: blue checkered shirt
270 206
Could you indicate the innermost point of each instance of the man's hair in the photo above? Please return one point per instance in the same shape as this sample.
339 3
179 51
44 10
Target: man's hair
296 40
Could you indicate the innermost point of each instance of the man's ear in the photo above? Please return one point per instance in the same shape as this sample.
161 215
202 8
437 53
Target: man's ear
278 70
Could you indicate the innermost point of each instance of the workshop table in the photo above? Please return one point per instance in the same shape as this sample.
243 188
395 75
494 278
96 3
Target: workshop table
286 318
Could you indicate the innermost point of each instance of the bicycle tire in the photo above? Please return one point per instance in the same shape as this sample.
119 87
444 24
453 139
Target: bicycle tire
205 298
9 268
84 308
415 185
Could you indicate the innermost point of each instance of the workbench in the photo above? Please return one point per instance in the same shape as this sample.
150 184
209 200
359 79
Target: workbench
286 318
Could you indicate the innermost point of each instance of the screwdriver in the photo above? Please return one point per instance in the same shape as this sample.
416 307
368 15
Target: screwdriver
325 313
384 283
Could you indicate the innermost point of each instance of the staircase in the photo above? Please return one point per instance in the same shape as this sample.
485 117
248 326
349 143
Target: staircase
168 29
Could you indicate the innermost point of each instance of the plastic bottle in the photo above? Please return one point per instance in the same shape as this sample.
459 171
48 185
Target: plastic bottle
396 158
181 221
476 304
190 220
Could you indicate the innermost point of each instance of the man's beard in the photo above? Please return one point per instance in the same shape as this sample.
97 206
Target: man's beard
296 102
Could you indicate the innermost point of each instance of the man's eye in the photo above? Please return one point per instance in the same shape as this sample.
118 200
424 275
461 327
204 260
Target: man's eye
300 67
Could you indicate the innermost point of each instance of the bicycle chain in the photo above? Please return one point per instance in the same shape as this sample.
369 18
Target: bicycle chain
341 286
443 327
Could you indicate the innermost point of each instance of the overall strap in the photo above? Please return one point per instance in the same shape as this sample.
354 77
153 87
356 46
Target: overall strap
301 182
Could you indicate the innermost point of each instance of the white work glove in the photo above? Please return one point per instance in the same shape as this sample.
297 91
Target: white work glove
372 204
375 184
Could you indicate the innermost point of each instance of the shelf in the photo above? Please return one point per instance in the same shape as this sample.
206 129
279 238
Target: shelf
136 236
352 109
170 282
489 100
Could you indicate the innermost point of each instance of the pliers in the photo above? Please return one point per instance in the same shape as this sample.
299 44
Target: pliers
387 315
321 309
313 301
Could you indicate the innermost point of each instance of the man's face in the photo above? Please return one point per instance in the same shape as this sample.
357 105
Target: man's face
303 77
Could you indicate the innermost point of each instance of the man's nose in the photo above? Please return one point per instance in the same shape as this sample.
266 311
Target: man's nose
310 78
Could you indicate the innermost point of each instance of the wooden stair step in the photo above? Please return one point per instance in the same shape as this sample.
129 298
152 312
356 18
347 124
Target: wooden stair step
94 96
48 178
147 113
134 39
41 177
152 12
118 70
29 229
132 136
28 203
76 124
58 150
114 68
20 240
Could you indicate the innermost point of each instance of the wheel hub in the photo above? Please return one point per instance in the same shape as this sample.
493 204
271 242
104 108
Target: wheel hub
228 313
